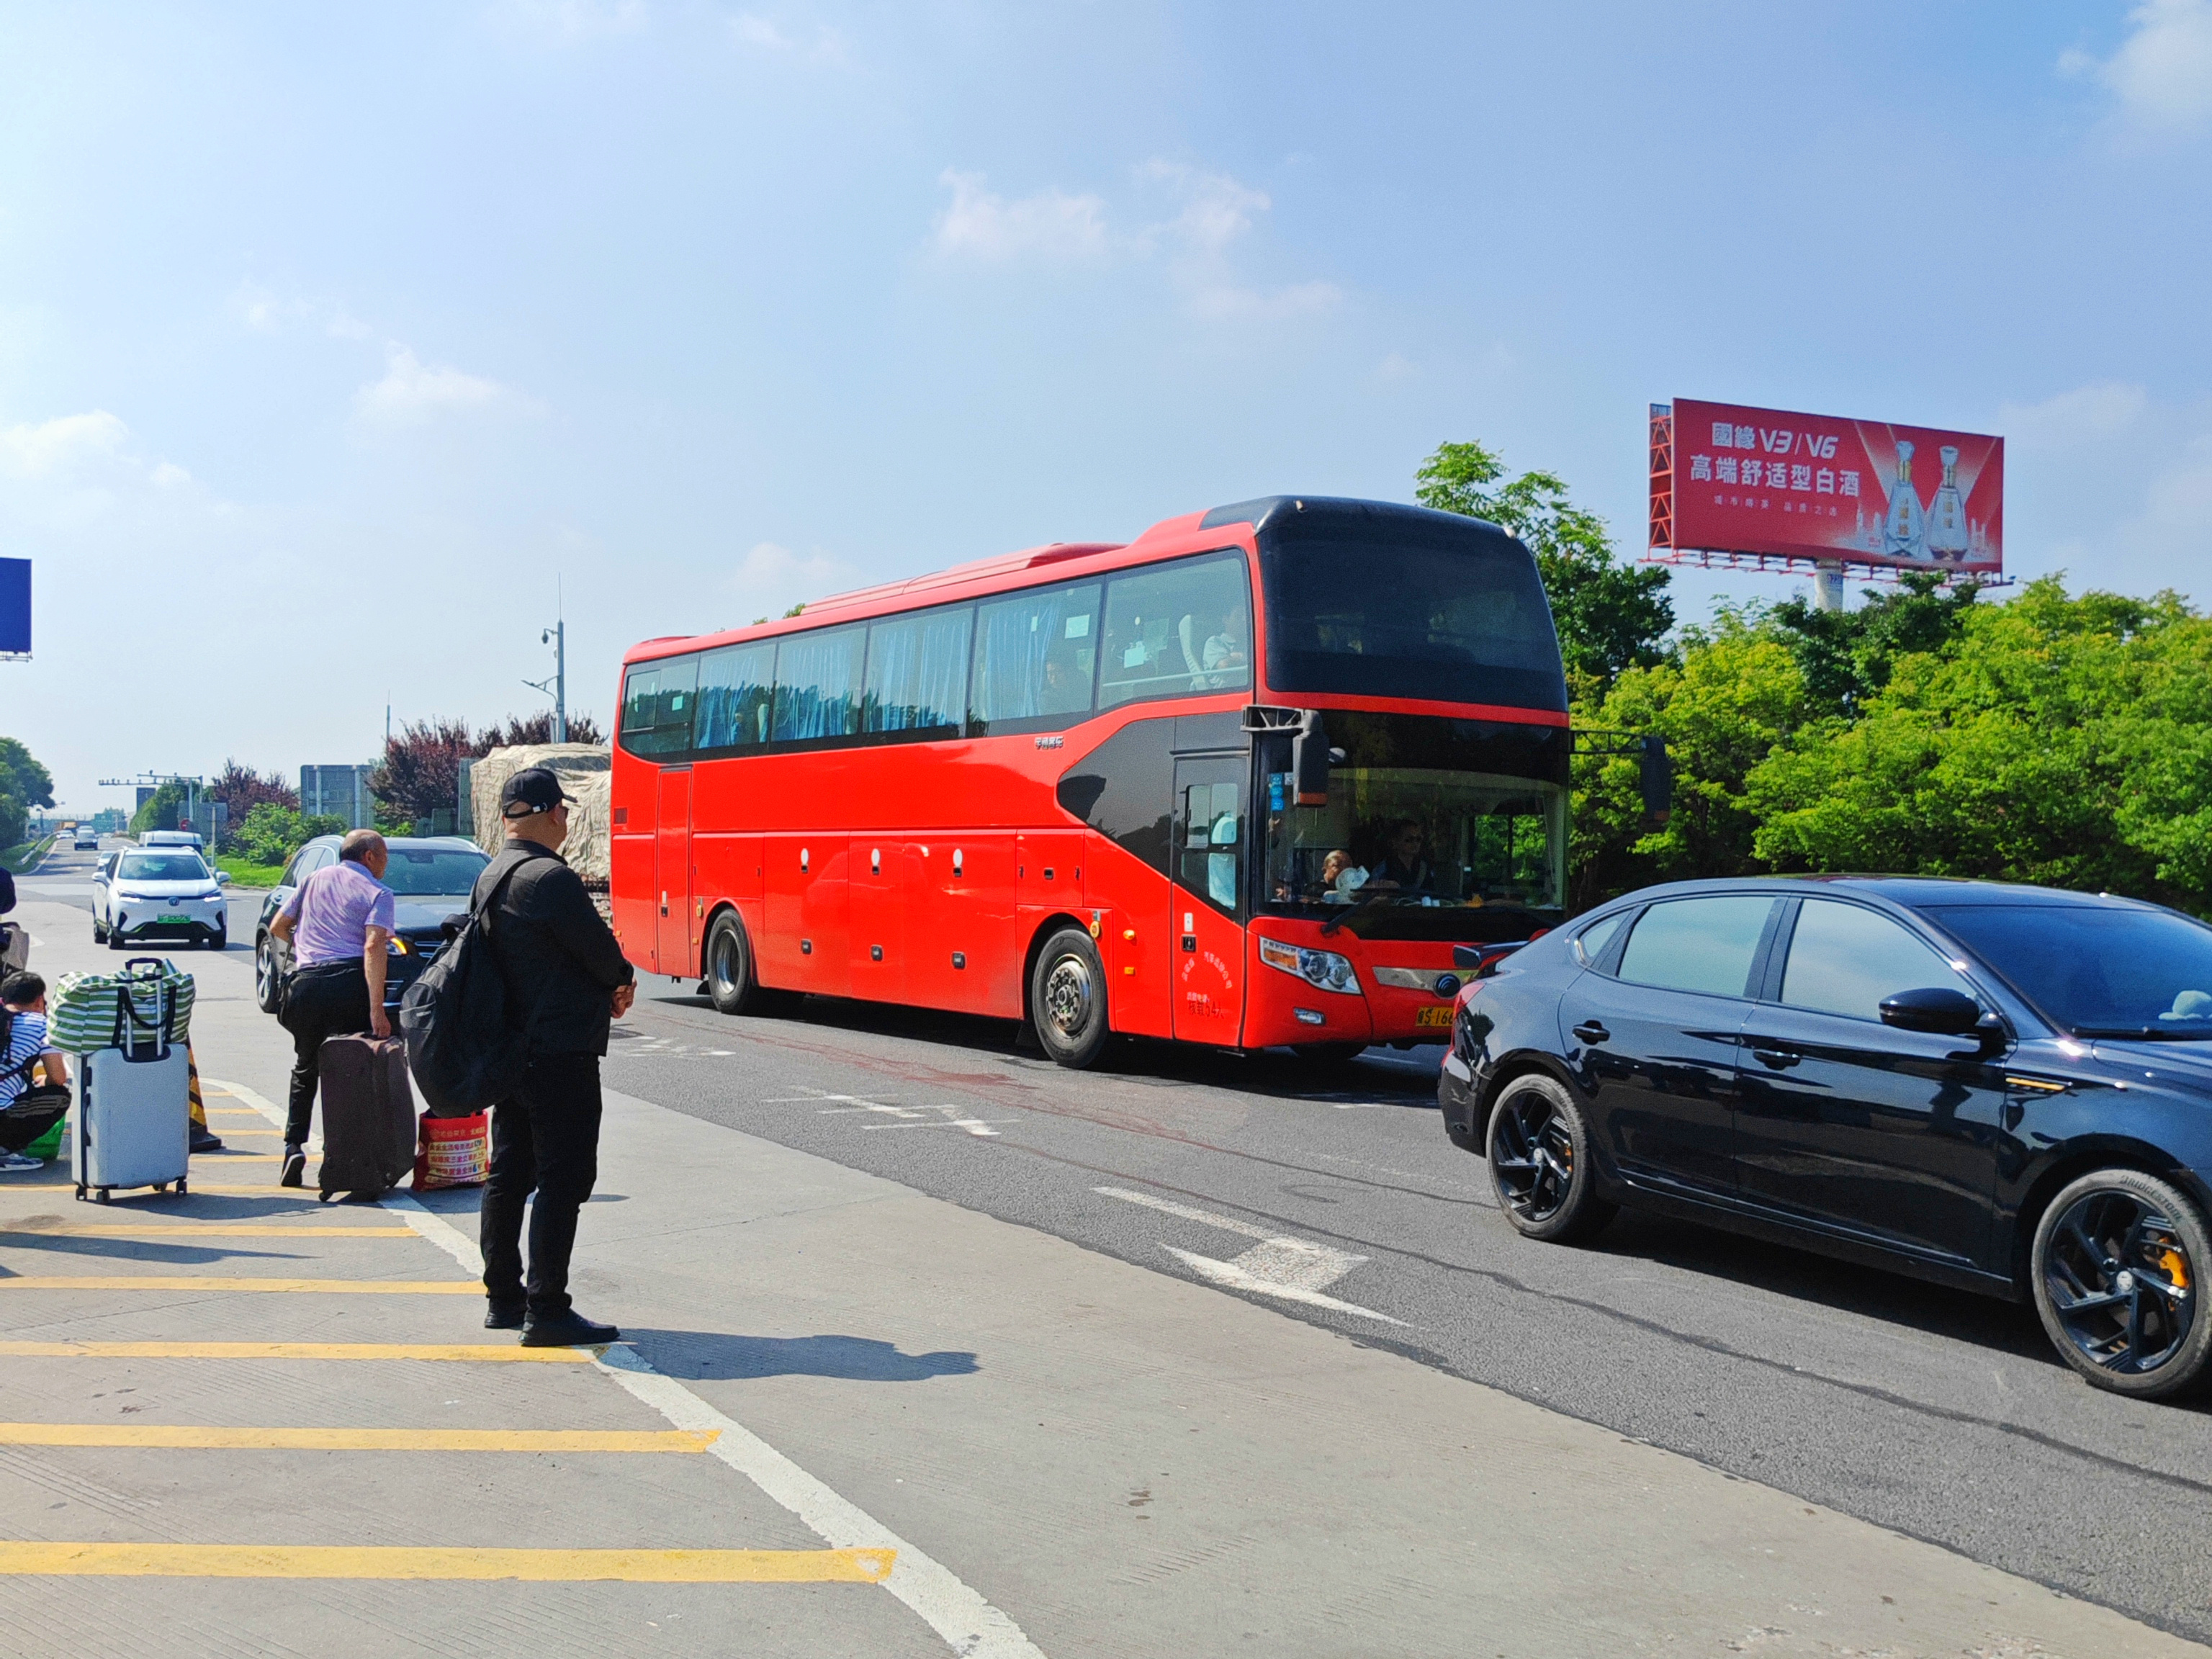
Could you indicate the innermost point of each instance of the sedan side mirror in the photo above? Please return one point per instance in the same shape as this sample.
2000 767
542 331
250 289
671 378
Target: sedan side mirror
222 878
1936 1009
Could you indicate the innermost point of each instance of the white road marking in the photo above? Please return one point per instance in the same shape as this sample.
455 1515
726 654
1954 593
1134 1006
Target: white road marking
1291 1269
970 1626
913 1117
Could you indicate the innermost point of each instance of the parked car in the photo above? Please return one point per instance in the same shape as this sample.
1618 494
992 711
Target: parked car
429 877
2003 1088
141 894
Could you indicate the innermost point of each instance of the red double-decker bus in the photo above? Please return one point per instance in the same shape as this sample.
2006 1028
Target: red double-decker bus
1243 781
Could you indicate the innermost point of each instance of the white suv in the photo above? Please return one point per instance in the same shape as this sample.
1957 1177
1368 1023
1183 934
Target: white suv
141 893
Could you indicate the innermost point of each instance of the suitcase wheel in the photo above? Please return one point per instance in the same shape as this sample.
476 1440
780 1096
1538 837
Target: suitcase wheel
80 1192
181 1186
100 1195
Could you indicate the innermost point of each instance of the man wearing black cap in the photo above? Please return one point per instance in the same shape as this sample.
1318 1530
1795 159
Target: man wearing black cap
565 978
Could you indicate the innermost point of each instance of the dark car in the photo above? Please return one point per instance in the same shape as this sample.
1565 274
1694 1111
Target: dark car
2003 1088
429 877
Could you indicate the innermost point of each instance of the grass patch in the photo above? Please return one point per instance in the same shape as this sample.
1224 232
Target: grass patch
21 860
244 872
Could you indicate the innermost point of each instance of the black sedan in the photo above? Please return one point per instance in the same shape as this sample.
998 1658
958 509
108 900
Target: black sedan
2007 1088
429 877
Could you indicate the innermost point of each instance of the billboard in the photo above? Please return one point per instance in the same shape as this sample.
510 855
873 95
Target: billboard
15 607
1730 478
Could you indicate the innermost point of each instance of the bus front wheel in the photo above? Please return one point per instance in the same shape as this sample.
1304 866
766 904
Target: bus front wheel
731 981
1068 999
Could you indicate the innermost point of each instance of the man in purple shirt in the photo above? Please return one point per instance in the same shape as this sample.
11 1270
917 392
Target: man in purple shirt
339 925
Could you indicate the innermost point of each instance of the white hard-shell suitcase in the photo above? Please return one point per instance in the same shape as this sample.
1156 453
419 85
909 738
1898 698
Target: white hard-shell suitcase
132 1125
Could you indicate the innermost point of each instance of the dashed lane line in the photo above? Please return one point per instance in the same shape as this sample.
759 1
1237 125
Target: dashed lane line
831 1567
442 1352
178 1436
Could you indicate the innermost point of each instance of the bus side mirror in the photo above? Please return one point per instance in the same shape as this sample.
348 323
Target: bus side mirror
1309 758
1654 779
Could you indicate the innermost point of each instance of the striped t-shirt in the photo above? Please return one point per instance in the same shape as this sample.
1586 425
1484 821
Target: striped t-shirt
26 1039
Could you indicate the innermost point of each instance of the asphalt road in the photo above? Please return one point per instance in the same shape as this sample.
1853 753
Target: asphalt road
1939 1414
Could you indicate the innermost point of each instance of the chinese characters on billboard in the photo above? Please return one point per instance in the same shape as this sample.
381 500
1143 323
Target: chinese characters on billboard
1726 478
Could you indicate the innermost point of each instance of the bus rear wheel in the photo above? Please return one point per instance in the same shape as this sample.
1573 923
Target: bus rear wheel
1067 999
732 982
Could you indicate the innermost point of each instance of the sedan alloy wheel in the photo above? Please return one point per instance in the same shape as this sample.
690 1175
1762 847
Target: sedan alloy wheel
2119 1264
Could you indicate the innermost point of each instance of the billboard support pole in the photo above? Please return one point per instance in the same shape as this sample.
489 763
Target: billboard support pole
1828 586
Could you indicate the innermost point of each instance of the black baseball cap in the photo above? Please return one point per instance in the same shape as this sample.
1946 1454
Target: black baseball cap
534 789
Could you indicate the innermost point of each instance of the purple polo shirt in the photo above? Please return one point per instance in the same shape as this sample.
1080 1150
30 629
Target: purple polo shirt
332 912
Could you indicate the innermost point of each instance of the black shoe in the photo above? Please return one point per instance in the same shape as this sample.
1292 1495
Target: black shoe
295 1167
505 1315
567 1330
205 1140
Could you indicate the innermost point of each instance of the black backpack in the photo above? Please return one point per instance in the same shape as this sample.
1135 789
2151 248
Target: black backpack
465 1050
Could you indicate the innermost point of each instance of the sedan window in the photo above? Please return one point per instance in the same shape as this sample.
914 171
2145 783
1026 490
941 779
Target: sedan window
1592 943
1697 944
1844 960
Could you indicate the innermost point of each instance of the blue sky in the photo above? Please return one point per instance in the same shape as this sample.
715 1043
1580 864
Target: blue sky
331 339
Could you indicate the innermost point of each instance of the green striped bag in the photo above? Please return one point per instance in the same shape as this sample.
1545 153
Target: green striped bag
150 1000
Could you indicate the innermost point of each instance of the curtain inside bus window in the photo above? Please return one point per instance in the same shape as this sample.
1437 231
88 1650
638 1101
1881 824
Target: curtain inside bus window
918 671
1408 610
818 684
736 687
1036 654
1177 629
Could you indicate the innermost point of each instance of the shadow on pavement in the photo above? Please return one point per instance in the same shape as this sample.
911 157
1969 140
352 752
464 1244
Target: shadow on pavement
701 1355
133 1249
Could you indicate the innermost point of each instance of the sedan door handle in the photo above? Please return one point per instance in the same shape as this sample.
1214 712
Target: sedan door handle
1780 1059
1590 1031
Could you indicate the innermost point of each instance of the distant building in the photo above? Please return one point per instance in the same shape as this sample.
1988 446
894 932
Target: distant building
340 792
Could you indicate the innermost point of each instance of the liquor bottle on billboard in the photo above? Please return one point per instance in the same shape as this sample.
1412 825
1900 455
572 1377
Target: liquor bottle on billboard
1904 527
1949 538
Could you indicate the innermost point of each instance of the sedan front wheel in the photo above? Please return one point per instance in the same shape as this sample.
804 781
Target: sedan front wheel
1540 1162
2117 1270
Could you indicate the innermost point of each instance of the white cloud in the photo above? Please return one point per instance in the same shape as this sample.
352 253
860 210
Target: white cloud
770 578
269 313
1050 225
73 470
66 445
412 390
2096 411
2162 72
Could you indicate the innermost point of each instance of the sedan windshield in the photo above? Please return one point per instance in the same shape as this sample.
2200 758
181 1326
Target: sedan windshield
423 872
2097 970
162 866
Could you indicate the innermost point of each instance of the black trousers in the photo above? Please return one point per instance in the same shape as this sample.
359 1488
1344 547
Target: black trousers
545 1139
329 999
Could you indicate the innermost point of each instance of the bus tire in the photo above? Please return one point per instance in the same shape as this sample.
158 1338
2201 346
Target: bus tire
1067 999
732 982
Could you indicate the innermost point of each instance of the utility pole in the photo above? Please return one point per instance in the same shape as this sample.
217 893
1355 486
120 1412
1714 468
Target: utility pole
558 686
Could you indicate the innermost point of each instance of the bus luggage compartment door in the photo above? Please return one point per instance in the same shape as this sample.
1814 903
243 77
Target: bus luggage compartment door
678 947
1206 848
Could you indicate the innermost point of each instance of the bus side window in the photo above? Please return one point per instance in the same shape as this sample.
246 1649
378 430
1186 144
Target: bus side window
640 696
1176 628
735 689
1036 654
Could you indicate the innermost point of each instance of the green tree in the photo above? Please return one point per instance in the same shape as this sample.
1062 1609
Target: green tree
1611 616
24 783
1845 656
271 834
161 811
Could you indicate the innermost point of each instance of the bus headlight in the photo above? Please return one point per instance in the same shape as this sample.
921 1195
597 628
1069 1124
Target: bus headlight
1324 969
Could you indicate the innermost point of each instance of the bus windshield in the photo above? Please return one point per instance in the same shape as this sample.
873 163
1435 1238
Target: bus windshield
1434 828
1449 611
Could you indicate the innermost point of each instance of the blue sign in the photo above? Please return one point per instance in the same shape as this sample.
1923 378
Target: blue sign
15 607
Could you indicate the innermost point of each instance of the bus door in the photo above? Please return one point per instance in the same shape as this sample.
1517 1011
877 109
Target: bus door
1206 853
678 947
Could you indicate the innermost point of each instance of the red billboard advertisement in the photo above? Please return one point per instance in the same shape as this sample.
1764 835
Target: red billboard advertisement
1729 478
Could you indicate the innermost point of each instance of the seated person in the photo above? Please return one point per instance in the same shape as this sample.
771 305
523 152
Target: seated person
1341 877
1226 650
23 1119
1402 866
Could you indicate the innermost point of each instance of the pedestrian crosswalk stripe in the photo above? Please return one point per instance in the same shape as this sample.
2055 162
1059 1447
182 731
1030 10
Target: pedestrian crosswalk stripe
313 1286
199 1437
489 1352
640 1566
200 1230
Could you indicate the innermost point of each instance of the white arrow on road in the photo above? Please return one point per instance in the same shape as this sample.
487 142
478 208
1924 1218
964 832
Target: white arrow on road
1290 1269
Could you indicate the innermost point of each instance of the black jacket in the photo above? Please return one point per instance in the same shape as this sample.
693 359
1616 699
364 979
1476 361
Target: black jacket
560 960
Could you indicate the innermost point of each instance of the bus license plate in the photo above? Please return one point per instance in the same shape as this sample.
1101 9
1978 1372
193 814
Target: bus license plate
1428 1019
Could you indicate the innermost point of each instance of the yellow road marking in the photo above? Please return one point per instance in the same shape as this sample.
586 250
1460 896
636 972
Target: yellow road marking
235 1111
243 1157
494 1353
202 1229
189 1437
319 1286
865 1566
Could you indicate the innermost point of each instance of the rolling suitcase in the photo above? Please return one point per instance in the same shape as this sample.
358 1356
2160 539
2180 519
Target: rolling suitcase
133 1124
368 1115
